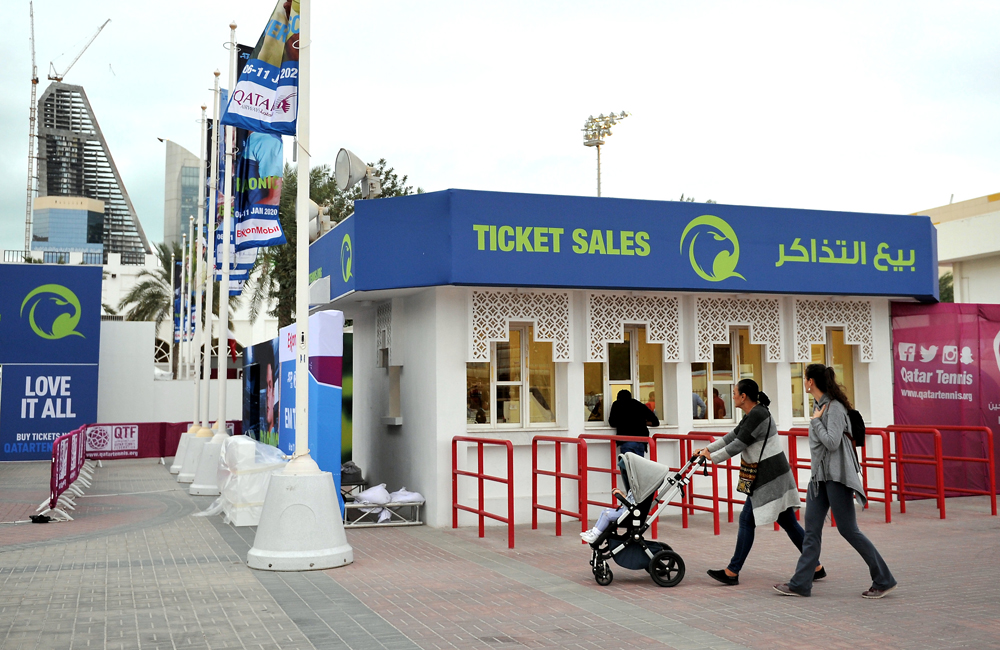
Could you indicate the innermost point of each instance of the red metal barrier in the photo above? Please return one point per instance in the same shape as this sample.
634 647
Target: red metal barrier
68 454
613 469
559 475
481 477
936 459
686 443
885 464
988 460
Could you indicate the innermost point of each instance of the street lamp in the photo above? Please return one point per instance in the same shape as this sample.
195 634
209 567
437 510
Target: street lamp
595 129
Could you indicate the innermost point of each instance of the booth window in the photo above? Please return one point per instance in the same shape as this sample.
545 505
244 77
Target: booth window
712 383
634 365
516 387
836 354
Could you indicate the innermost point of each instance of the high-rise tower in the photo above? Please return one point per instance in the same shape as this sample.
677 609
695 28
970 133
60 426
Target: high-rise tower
74 160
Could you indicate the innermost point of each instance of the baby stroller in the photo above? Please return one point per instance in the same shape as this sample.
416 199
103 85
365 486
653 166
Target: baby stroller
622 540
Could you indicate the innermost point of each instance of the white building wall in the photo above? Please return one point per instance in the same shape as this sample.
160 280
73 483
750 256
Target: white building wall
430 334
127 391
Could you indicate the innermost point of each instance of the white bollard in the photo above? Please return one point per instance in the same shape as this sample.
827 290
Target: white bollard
300 525
206 477
182 446
191 459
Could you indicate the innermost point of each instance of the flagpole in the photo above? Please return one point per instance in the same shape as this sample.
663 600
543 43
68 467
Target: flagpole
302 239
227 221
193 360
200 287
315 541
213 185
183 351
173 313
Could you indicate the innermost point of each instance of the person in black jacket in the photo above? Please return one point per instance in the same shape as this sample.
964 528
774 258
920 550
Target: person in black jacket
630 417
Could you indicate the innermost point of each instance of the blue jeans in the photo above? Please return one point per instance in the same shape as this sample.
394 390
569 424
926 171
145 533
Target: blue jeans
637 448
744 539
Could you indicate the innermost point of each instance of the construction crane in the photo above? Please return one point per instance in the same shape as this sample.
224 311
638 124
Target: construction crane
31 133
54 74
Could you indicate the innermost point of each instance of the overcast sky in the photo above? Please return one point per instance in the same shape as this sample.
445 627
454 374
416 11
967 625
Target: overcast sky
873 107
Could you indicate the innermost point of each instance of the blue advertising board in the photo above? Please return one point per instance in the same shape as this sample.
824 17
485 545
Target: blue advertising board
463 237
50 337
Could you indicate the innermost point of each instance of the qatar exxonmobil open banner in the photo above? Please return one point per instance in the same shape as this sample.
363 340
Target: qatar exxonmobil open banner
947 372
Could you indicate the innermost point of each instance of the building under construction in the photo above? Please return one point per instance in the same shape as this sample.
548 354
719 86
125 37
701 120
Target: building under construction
74 161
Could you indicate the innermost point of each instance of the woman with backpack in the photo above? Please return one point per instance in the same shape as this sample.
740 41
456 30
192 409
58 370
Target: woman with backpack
834 485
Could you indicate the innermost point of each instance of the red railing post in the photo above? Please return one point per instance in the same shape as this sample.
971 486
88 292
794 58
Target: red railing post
936 459
558 474
481 477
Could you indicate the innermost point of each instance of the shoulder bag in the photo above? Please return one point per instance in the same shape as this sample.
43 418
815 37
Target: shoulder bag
748 471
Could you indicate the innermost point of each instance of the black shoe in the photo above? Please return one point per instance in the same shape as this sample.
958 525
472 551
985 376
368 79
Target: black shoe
819 575
723 577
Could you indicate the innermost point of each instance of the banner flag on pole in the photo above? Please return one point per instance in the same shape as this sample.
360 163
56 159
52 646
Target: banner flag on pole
177 301
241 259
265 97
257 189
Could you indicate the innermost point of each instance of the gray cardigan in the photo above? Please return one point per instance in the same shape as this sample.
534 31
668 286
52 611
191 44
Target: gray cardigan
831 451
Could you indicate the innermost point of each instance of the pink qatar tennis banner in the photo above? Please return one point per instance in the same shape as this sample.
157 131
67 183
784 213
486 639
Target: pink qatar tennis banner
946 363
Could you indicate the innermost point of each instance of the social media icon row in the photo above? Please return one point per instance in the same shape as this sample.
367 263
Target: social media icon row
949 353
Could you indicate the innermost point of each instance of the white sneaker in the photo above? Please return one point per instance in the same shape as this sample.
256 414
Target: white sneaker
590 536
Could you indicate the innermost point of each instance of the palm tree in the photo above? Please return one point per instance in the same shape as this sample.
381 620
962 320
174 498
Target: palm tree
152 300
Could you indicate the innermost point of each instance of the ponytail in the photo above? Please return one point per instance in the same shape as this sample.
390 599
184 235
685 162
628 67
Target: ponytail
826 381
753 392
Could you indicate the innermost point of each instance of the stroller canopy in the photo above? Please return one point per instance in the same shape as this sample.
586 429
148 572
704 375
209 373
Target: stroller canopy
644 476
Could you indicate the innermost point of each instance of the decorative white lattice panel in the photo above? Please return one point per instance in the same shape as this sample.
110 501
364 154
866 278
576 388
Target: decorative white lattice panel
608 313
493 311
714 316
383 333
812 317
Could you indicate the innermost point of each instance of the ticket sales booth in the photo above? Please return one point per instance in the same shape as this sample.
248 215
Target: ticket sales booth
506 315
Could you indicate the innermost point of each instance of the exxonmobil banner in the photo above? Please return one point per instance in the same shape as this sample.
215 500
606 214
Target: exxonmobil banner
947 371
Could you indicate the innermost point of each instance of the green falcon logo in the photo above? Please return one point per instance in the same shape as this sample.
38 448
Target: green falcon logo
346 258
724 265
65 324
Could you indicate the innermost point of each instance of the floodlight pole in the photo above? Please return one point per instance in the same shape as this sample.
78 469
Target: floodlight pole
227 226
598 170
213 188
595 129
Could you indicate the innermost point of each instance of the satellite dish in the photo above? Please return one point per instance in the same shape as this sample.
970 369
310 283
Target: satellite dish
349 169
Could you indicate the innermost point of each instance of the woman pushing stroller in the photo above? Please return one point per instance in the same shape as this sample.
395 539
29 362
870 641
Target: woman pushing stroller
765 477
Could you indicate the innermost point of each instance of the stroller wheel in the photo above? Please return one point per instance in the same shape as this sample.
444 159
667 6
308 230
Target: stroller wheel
666 568
603 575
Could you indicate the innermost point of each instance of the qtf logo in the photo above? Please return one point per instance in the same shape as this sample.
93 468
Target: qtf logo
346 258
724 265
64 324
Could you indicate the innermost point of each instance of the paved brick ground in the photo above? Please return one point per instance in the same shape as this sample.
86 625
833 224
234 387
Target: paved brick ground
134 570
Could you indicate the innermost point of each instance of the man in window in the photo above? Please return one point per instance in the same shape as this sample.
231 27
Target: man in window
630 417
719 404
699 407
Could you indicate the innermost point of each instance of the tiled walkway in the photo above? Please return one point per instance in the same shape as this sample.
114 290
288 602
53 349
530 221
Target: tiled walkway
134 570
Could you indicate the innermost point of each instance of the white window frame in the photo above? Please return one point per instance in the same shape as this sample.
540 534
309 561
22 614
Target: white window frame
634 331
525 389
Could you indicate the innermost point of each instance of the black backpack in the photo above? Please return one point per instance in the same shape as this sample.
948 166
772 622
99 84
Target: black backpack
857 427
